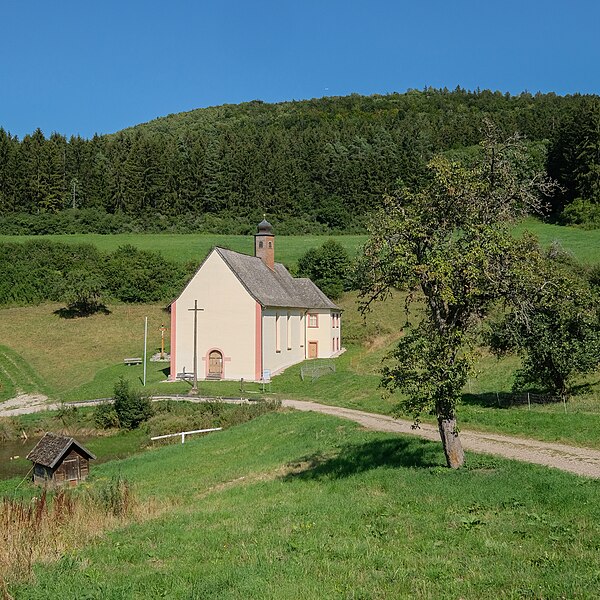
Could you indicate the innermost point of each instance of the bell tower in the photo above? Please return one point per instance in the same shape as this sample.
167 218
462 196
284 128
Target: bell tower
264 244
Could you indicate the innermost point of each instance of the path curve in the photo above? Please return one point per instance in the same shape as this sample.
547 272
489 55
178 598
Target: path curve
581 461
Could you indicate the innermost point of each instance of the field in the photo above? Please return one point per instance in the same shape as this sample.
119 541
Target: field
303 505
585 245
297 505
81 359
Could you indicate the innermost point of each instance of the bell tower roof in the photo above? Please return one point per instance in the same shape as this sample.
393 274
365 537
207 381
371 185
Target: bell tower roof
265 228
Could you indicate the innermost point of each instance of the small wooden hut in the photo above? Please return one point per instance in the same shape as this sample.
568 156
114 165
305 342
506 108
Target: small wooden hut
58 459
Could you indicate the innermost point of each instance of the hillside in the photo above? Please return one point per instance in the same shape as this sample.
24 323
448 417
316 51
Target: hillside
307 506
314 166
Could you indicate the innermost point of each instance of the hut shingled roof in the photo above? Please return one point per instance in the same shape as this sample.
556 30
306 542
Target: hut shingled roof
52 447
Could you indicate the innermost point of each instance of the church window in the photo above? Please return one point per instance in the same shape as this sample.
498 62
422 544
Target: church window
313 320
289 331
277 334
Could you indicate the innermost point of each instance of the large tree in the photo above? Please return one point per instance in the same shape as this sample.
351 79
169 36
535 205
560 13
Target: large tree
448 242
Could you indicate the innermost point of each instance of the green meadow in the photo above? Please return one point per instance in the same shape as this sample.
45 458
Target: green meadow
293 505
298 505
585 245
81 359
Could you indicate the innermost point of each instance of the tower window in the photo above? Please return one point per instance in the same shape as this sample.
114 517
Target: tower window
260 244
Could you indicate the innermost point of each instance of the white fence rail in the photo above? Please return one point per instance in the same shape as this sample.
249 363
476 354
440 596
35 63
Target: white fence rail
184 433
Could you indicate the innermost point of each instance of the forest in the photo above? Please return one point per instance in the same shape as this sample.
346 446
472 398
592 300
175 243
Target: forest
312 166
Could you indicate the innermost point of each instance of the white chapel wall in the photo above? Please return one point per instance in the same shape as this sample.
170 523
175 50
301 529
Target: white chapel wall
324 334
227 323
280 351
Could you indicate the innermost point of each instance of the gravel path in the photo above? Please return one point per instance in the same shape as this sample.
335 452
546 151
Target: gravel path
581 461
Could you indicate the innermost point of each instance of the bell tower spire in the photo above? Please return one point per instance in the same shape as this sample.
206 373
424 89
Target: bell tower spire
264 244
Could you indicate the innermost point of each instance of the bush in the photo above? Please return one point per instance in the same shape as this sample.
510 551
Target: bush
83 292
582 212
105 416
131 406
328 267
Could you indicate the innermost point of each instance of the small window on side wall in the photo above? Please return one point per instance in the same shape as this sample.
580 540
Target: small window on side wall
313 320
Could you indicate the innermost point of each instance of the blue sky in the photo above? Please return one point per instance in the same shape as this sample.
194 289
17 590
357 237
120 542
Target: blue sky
83 68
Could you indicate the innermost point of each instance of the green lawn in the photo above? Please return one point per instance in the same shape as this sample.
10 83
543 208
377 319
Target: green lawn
194 247
297 505
585 245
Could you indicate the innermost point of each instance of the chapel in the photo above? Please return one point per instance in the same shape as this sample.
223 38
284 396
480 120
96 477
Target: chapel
252 318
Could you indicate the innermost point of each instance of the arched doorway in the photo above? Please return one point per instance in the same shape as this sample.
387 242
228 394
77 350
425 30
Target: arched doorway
215 364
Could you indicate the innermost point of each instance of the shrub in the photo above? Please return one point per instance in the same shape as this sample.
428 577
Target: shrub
582 212
131 406
329 268
83 292
105 416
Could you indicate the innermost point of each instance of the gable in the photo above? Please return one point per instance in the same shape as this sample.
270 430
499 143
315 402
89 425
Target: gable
213 276
276 288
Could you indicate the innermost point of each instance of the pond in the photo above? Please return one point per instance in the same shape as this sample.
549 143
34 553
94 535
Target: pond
12 457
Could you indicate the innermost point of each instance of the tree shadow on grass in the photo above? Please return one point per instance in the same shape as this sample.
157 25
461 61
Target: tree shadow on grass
358 458
75 311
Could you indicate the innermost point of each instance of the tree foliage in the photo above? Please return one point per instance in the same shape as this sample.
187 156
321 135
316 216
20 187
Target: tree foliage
554 326
83 292
41 270
448 242
328 267
319 164
131 406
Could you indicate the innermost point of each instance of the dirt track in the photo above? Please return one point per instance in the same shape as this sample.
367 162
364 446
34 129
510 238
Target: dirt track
581 461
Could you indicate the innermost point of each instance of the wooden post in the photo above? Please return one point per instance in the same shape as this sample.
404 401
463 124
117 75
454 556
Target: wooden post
162 330
194 389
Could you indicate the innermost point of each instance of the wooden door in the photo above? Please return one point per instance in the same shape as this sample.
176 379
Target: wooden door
71 467
313 349
215 363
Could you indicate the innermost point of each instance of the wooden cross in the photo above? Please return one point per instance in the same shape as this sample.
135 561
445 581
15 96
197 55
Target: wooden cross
162 330
194 389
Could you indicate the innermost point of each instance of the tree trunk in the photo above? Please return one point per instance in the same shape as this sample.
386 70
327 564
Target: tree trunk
455 457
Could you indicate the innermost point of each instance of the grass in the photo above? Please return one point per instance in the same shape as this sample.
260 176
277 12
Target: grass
67 354
300 505
584 244
92 350
106 445
16 376
184 248
194 247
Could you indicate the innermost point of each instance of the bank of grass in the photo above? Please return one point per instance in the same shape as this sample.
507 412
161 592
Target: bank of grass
297 505
17 376
68 353
169 417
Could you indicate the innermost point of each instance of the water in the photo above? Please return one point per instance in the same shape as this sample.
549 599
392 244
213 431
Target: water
10 466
